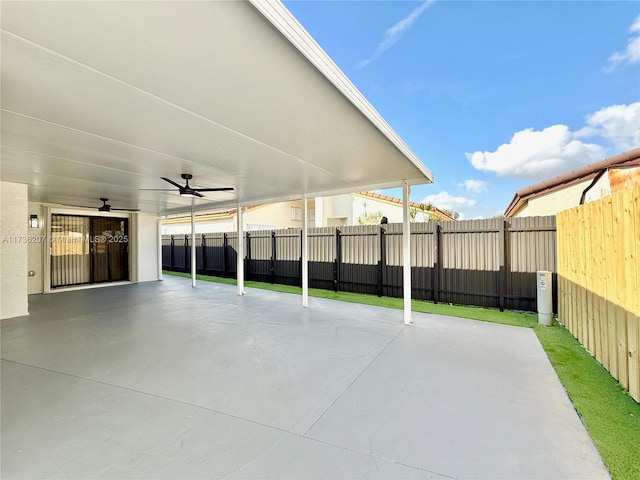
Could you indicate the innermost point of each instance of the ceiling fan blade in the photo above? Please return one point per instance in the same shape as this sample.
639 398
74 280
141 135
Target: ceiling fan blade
171 182
221 189
159 189
127 209
197 194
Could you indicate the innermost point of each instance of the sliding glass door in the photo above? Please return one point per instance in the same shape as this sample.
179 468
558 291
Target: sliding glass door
87 250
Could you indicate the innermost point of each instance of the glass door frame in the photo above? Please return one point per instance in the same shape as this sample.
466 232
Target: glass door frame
47 258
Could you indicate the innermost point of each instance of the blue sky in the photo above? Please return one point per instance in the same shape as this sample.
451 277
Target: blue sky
491 96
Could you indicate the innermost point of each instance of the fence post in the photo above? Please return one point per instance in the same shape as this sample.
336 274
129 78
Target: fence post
337 261
247 263
502 274
187 261
273 257
224 253
382 263
247 257
437 264
203 246
171 247
300 261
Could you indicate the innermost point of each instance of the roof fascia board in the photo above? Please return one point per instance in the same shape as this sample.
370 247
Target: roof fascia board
278 15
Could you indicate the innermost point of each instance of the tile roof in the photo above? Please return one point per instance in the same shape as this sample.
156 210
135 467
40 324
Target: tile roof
436 212
631 157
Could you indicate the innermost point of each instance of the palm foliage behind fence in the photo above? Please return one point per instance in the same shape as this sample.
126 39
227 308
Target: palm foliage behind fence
474 262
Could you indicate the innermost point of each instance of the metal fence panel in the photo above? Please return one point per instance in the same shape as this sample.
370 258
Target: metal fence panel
531 245
489 262
322 258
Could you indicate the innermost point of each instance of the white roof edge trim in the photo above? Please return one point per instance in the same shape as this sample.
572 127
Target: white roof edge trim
276 13
328 193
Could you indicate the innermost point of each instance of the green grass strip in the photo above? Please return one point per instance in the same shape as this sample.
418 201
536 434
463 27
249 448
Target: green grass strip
610 415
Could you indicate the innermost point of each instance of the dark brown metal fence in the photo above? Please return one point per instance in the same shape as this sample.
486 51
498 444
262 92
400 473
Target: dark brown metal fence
490 263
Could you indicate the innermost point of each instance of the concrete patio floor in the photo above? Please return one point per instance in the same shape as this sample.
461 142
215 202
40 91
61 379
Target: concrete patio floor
160 380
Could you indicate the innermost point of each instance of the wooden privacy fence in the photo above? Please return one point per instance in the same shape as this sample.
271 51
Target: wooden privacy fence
599 282
475 262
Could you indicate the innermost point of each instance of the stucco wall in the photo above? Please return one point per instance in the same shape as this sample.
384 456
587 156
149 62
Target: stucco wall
14 250
147 247
36 250
338 207
602 188
554 202
144 256
393 211
277 215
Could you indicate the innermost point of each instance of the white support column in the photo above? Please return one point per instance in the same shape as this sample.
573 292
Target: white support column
193 249
240 253
160 249
406 252
305 253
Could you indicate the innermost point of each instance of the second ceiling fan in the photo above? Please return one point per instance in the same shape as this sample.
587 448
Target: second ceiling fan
186 190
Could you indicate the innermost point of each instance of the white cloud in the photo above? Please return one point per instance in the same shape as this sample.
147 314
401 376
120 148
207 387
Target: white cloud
444 200
631 55
619 124
536 155
395 33
474 186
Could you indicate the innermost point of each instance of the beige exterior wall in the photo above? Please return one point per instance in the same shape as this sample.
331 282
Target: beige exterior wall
334 211
554 202
279 215
14 232
393 211
143 254
602 188
272 216
36 250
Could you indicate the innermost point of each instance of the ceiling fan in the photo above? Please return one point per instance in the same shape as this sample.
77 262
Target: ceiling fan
105 207
186 190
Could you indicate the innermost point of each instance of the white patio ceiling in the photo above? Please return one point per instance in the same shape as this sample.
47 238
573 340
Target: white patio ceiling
104 98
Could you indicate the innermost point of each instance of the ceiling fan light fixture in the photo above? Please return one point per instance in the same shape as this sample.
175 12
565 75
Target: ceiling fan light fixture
187 194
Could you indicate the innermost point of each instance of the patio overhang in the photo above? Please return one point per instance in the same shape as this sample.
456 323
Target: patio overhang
104 98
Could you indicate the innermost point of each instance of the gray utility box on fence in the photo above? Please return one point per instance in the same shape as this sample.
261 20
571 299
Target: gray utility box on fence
545 297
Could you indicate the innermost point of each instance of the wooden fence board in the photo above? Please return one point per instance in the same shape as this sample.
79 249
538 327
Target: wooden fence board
633 273
633 331
595 225
599 270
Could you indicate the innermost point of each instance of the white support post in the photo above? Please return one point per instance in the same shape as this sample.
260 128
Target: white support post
160 249
406 252
305 253
193 249
240 253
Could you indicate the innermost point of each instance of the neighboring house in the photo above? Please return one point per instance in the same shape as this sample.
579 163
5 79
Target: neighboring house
271 216
349 209
579 186
339 210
